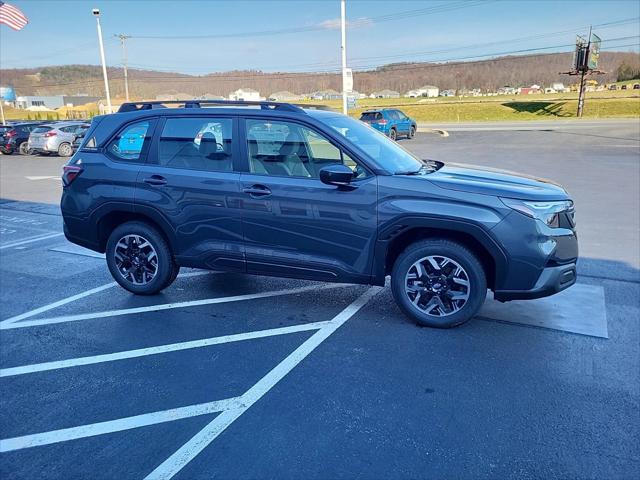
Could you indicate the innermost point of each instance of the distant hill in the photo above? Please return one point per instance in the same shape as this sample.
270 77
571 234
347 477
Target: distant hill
486 74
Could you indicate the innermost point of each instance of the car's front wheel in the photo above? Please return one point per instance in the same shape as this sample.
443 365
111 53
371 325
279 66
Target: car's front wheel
412 132
438 283
24 148
139 259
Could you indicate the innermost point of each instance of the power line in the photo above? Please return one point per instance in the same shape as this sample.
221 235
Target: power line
501 56
320 27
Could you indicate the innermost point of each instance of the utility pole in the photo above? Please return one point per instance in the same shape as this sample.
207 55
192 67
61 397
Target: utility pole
123 38
96 13
343 15
583 72
585 62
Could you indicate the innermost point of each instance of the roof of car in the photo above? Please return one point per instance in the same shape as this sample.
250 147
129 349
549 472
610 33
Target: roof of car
267 109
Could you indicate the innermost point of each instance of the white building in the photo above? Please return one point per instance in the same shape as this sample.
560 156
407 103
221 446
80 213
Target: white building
34 102
425 91
246 94
386 93
559 87
285 96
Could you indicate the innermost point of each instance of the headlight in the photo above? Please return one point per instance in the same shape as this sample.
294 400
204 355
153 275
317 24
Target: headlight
546 212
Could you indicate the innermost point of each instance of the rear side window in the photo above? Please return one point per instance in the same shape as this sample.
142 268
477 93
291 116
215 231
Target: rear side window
42 129
197 144
371 116
130 142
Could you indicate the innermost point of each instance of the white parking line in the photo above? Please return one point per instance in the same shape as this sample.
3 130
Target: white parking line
164 306
231 408
204 437
173 347
112 426
30 240
73 298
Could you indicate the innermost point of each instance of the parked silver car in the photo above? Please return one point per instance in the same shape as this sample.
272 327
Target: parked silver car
54 138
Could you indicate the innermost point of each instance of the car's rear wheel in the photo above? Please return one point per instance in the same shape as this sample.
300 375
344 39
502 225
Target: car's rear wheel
65 150
23 148
412 132
139 259
438 283
393 134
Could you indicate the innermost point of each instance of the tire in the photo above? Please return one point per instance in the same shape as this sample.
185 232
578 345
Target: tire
65 150
447 281
133 267
23 149
393 134
412 132
174 273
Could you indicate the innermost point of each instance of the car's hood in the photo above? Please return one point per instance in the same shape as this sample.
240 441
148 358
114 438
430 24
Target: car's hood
502 183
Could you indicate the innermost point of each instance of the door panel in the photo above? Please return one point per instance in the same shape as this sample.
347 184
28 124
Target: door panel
294 225
307 229
189 181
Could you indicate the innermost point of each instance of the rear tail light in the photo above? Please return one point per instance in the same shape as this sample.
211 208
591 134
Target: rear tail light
70 173
382 122
11 133
50 134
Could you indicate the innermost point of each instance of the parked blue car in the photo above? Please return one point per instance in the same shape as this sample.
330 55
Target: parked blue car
390 121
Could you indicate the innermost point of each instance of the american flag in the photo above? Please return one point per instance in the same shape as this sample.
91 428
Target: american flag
12 16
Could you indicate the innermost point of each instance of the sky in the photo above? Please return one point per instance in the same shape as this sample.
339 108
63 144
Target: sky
199 37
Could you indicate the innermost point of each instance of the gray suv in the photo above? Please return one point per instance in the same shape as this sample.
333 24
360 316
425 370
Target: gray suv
270 188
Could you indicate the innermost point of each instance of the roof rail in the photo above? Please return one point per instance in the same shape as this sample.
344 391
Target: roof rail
264 105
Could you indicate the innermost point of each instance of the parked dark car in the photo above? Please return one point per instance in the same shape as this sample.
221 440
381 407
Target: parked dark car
14 137
302 193
391 122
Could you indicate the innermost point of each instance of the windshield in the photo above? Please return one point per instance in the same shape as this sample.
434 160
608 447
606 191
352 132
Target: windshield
387 153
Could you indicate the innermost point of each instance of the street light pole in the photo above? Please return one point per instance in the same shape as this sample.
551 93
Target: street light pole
123 39
343 15
96 13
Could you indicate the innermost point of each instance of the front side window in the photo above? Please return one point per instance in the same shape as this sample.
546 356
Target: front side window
130 141
197 144
287 149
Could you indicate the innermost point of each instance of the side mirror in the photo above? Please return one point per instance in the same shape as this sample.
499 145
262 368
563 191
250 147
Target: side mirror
338 175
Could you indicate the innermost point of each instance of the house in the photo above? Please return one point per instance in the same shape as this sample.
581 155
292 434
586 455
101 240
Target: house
51 102
507 90
284 96
533 89
448 93
171 97
425 91
326 95
246 94
559 87
386 93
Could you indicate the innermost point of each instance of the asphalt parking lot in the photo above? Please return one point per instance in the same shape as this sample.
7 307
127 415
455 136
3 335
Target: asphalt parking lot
232 376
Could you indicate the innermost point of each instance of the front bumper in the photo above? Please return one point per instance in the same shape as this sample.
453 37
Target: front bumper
541 260
551 281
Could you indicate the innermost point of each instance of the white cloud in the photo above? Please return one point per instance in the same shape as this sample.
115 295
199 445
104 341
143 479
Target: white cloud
334 23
